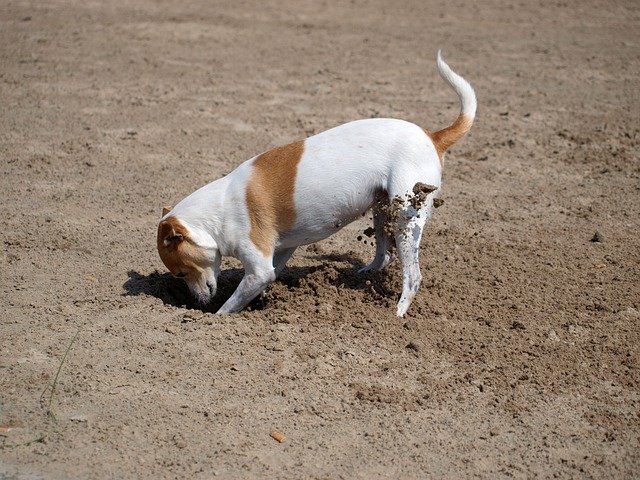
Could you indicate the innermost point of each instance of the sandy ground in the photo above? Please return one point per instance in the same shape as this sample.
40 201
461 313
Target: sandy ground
519 357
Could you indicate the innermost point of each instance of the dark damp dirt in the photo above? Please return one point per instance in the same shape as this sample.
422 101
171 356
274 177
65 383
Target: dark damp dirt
519 356
396 211
420 193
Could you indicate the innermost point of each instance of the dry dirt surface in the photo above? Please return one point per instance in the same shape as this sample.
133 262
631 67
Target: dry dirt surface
519 357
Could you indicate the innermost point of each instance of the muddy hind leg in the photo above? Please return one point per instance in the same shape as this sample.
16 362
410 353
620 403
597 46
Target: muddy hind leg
408 246
412 214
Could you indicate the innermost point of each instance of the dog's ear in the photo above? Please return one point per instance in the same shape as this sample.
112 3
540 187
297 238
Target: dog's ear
170 234
166 209
172 240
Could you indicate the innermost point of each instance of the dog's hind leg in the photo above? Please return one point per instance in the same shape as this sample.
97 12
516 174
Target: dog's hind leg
410 210
408 235
382 235
280 259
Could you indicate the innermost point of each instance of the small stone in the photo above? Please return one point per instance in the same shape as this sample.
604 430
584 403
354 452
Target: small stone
597 237
6 428
411 325
324 308
602 307
278 436
192 315
179 442
78 418
553 336
414 345
516 325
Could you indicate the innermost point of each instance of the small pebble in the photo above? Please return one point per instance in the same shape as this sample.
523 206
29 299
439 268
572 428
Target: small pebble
516 325
179 442
553 336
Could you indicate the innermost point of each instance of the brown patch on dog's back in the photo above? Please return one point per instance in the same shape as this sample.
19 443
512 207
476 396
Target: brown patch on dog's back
270 194
443 139
177 251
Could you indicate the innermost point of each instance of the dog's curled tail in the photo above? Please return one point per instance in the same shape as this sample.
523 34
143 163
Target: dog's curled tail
443 139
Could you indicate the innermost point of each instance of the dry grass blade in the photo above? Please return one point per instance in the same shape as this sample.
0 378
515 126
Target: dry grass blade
40 439
50 411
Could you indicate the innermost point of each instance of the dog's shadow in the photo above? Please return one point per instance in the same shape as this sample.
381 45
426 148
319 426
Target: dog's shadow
174 291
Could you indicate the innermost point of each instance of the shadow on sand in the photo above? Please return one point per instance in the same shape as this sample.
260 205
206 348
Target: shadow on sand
173 291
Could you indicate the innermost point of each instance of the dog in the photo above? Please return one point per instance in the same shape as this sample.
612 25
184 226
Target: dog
303 192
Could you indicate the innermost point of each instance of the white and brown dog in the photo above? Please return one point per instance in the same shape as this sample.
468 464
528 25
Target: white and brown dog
304 192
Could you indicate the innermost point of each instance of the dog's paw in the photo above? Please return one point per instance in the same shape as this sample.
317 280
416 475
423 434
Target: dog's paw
366 269
377 265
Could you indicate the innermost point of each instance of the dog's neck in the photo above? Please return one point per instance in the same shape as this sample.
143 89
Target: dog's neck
203 214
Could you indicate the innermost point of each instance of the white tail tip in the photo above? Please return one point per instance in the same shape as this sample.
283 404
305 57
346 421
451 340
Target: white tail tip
465 91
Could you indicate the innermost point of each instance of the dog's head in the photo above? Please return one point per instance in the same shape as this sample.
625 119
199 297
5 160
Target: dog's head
197 265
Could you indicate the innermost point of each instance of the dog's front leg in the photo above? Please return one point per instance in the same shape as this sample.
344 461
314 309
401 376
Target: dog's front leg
258 274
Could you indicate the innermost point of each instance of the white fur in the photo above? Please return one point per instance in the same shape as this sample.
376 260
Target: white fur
342 173
467 96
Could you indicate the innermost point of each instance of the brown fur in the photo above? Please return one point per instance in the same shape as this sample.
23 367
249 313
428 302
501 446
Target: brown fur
270 194
443 139
177 251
